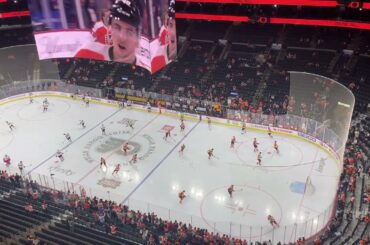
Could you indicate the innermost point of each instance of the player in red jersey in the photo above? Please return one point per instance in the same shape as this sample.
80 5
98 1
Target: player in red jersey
232 143
100 30
125 148
133 159
182 196
272 221
6 160
102 162
276 147
182 126
181 151
259 158
230 190
116 169
210 153
255 145
125 24
167 134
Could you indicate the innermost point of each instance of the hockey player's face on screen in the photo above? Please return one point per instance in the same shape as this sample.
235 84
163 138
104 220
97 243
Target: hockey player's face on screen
171 27
125 39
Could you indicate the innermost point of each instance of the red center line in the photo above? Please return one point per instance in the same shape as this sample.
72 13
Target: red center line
93 169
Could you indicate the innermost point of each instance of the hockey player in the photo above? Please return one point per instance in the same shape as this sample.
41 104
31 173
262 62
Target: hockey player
259 158
230 190
31 100
103 162
182 126
130 124
21 167
209 122
10 125
232 143
82 123
87 102
167 134
255 145
45 107
210 153
102 129
148 106
125 148
7 160
59 155
116 169
45 101
133 159
244 128
181 151
276 147
182 196
269 132
68 137
272 221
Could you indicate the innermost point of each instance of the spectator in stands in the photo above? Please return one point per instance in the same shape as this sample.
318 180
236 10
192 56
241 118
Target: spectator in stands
28 207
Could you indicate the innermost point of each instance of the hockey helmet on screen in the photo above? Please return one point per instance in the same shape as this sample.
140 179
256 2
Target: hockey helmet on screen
171 9
127 11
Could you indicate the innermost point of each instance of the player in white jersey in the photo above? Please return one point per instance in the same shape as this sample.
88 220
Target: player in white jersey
244 127
68 137
59 155
10 125
148 106
103 162
259 158
87 102
45 107
103 129
181 151
21 167
269 132
130 124
276 147
82 123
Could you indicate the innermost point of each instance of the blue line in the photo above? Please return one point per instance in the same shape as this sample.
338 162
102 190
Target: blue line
43 162
160 162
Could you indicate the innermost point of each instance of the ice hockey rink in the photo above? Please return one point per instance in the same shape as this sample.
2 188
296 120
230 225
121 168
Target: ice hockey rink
161 172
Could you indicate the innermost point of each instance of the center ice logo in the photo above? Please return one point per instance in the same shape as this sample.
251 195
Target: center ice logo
99 146
109 183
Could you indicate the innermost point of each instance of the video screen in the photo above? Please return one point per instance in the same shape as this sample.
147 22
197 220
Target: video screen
137 32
